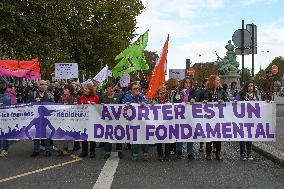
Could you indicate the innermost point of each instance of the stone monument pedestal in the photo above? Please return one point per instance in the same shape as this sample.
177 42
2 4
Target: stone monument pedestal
229 78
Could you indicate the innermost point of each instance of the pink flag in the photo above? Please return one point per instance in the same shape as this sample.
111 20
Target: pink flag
24 69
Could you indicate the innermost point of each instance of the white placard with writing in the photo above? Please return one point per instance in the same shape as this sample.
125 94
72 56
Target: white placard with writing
124 80
179 74
66 70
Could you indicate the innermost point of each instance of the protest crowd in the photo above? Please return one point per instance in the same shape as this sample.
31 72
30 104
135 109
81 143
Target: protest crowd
172 91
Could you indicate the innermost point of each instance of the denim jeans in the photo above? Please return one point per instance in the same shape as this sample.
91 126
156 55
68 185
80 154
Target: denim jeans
136 147
189 147
243 146
4 145
37 145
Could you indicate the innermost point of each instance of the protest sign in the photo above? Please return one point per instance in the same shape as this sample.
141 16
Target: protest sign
119 123
66 70
124 80
179 74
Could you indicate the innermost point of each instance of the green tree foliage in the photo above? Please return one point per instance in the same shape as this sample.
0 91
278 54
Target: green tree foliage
151 59
247 74
258 78
82 31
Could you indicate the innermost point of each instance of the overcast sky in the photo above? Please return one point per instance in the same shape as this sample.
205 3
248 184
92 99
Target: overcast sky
201 27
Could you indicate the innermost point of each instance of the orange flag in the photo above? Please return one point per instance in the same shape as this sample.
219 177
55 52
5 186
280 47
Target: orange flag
158 74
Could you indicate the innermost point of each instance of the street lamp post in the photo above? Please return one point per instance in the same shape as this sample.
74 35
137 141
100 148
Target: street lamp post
253 46
242 50
252 54
245 40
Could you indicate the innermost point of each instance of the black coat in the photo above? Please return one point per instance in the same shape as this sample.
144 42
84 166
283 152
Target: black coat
34 96
215 96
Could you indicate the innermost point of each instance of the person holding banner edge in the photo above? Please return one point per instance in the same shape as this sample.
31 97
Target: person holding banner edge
135 96
214 93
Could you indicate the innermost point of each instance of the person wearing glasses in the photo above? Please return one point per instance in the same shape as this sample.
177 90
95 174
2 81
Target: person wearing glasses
135 96
41 95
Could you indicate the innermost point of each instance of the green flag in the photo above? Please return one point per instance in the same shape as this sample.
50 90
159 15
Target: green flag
132 58
142 40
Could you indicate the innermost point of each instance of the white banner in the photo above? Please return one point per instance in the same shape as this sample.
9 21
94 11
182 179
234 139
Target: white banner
119 123
179 74
66 70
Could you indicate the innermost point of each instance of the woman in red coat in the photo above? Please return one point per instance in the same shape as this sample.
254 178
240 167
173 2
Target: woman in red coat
89 97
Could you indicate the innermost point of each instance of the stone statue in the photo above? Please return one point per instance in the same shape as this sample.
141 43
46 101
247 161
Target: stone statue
229 64
219 59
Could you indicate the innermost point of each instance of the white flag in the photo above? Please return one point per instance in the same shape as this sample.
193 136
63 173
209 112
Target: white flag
102 75
109 73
